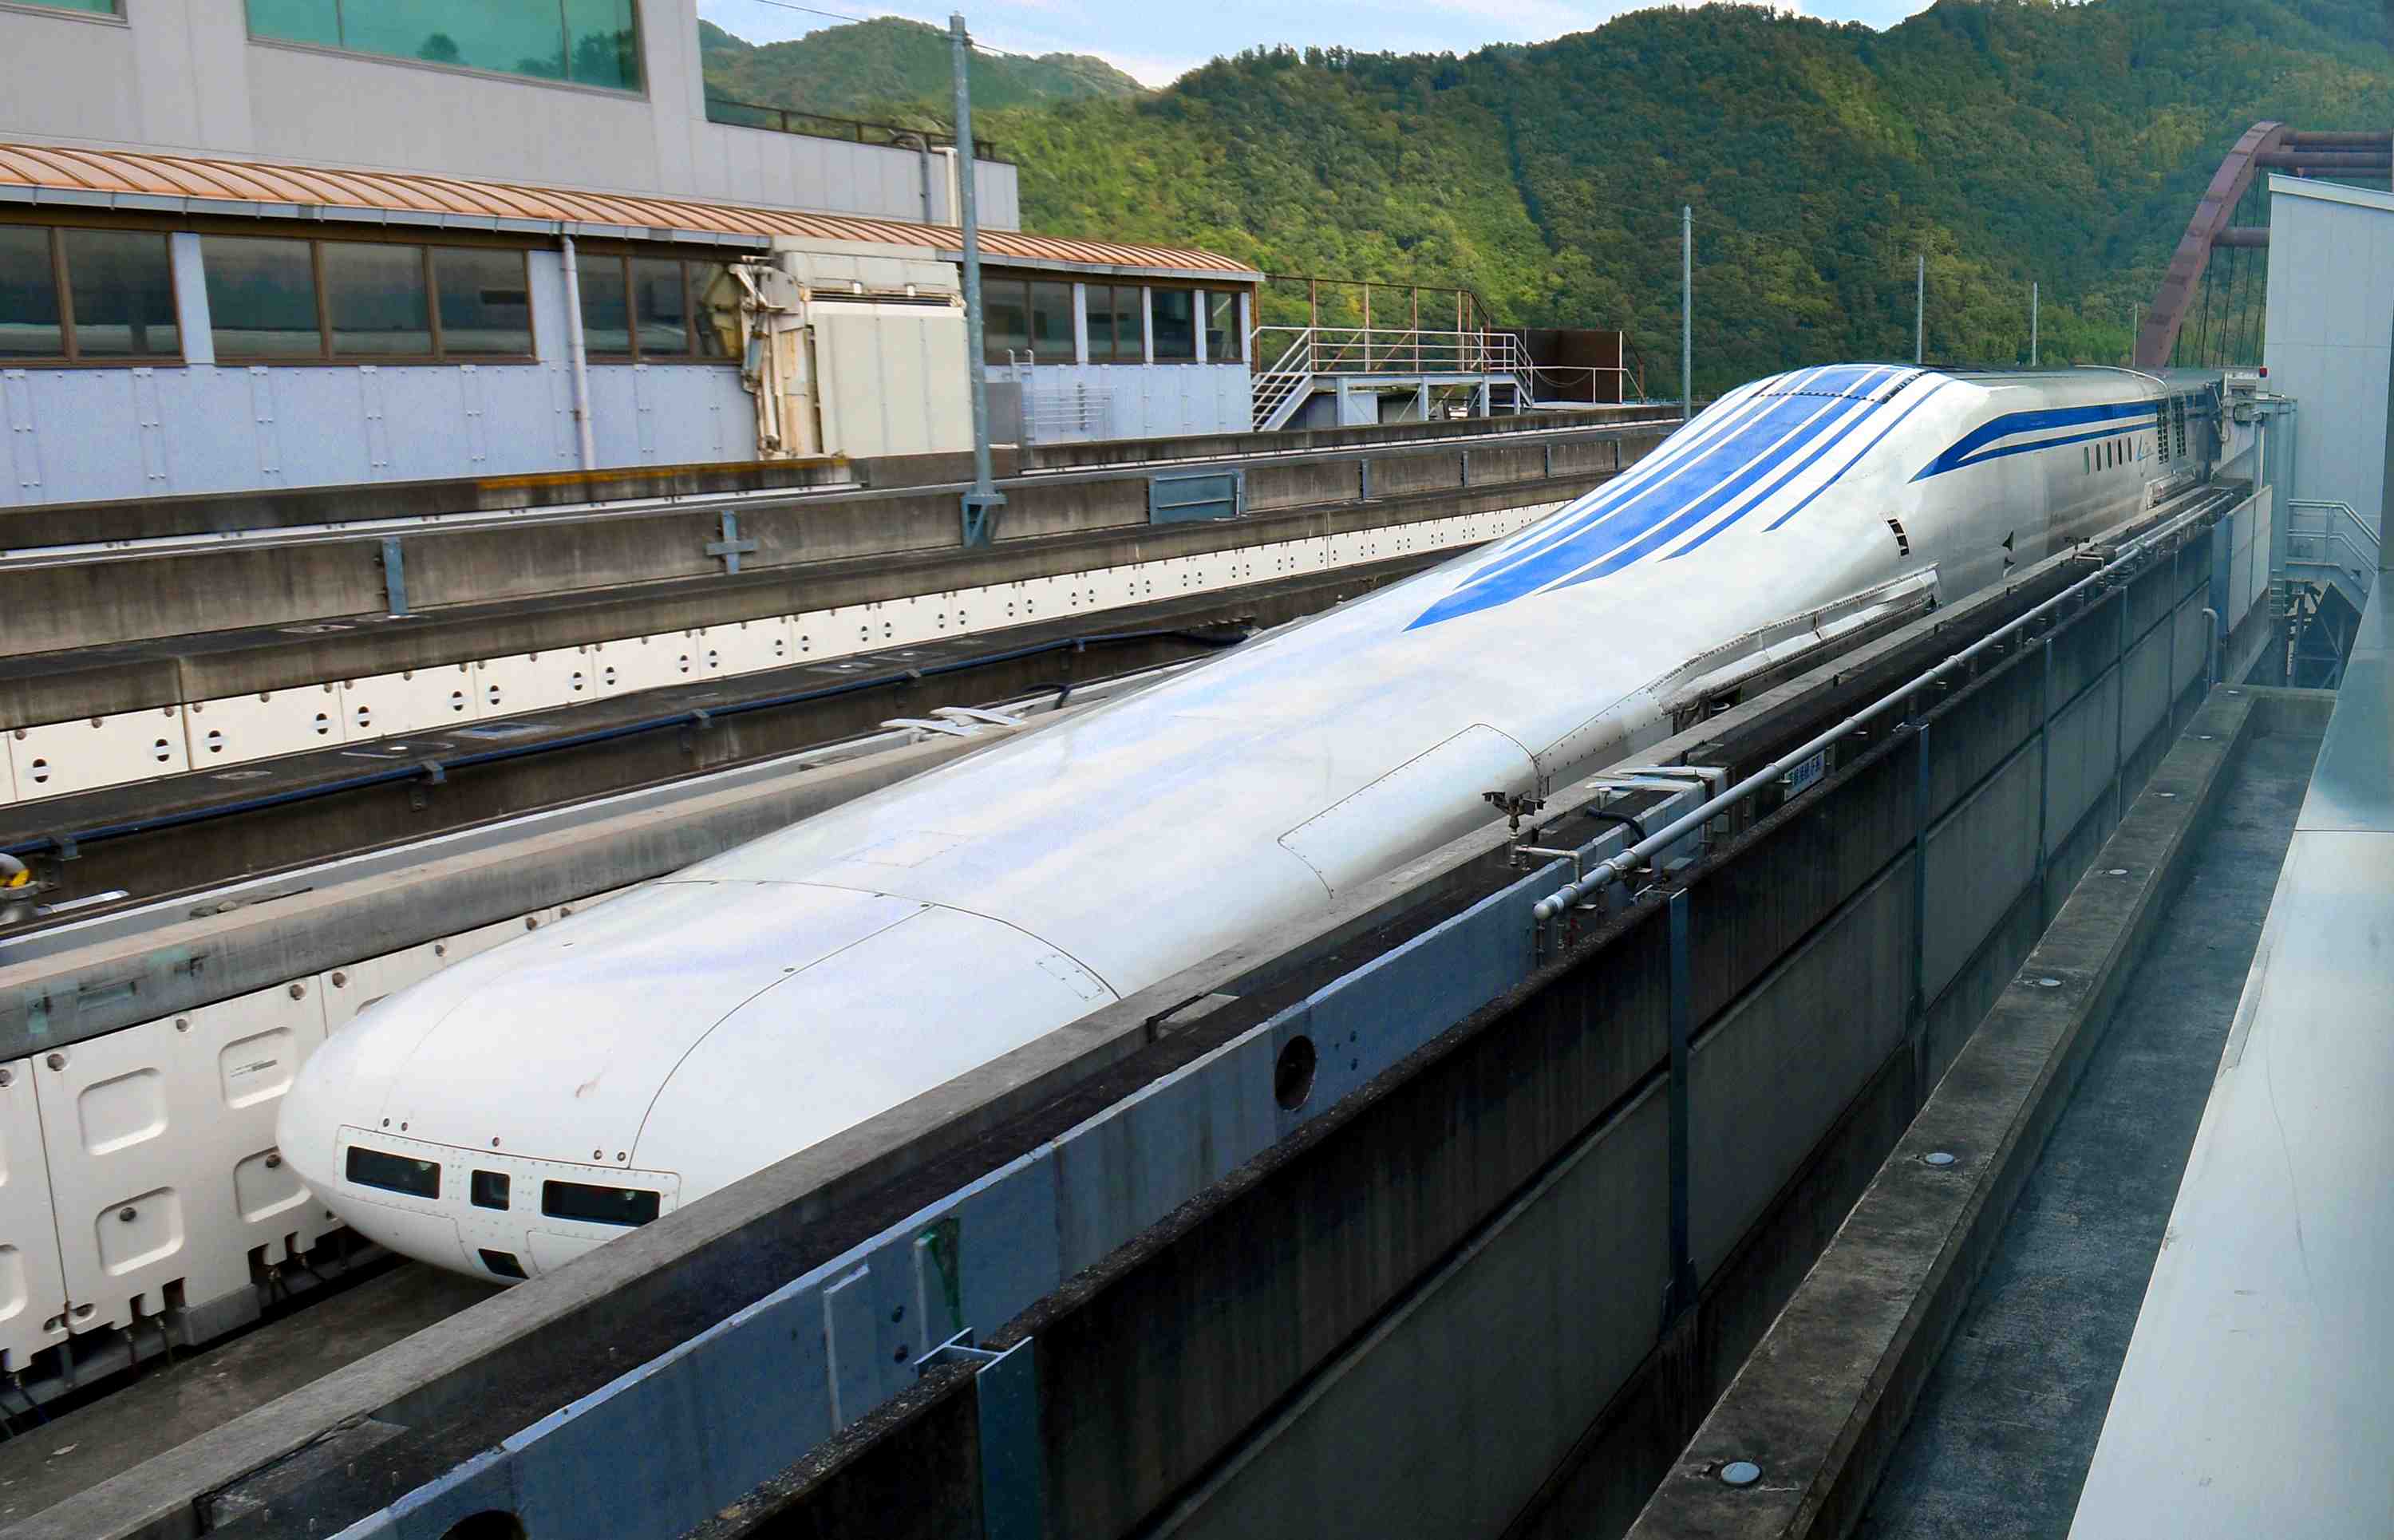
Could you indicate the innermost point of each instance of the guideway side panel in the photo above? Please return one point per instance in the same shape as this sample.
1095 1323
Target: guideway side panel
161 1147
33 1286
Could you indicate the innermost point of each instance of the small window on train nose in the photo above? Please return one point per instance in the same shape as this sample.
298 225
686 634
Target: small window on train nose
489 1189
503 1263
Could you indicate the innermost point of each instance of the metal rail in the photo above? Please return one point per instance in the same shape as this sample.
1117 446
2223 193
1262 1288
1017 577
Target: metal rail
797 120
1621 867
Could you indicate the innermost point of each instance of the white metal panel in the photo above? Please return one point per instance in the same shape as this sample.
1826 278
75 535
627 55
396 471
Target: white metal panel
233 729
160 1141
889 378
638 662
413 700
33 1283
102 751
529 681
351 988
747 646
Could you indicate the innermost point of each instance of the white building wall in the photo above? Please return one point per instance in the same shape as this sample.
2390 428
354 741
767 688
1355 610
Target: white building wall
1073 402
76 435
184 76
2331 331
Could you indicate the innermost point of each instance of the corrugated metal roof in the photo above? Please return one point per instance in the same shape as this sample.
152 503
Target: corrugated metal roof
141 178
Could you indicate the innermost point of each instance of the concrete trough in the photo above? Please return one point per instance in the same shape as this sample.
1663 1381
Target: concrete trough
1820 1403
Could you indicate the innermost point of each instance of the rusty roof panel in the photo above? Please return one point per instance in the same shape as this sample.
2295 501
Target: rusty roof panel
266 183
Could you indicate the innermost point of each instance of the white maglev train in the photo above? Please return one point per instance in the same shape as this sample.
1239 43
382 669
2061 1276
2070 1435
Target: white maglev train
527 1104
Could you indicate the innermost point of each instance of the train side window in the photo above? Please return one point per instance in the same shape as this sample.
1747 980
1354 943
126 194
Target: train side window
600 1205
2088 455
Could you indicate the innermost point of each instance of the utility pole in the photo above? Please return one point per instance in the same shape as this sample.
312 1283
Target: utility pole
1920 313
1686 311
2031 325
984 496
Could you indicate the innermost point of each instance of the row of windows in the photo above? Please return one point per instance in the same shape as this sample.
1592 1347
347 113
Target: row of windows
659 308
1034 316
98 8
100 295
587 42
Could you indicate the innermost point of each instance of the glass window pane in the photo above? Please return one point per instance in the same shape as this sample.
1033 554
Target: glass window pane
524 38
485 301
261 298
1130 326
715 294
604 40
1176 324
1051 321
1102 323
98 8
1224 342
606 314
296 21
660 307
1005 328
376 300
29 295
123 289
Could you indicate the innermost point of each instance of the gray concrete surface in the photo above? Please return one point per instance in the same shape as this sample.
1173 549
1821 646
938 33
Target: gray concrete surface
2000 1440
47 1462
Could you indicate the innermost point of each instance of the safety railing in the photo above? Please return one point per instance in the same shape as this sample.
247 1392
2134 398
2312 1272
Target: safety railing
794 119
1303 354
2332 540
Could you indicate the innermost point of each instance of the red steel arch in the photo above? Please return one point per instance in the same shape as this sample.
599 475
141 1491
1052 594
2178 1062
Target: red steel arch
2158 336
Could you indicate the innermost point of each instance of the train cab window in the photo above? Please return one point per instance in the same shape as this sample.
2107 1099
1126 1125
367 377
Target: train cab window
417 1178
598 1205
489 1189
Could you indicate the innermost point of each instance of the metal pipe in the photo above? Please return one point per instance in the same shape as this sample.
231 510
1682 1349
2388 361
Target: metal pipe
2031 325
1686 311
1617 868
1920 312
2212 653
577 357
983 496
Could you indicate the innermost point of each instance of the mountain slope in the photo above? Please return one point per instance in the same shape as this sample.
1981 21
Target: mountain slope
2010 140
870 66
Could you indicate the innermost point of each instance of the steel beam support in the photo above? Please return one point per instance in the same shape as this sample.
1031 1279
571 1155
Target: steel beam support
1013 1454
394 575
2044 765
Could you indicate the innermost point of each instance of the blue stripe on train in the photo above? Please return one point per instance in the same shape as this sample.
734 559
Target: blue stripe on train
1606 535
1972 448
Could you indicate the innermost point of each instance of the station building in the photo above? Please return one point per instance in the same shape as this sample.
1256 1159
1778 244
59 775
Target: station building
251 244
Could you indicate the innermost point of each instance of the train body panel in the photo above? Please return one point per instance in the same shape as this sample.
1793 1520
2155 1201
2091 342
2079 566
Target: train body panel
765 999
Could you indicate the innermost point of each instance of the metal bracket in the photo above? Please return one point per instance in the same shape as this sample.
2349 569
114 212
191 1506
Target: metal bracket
979 516
730 547
394 576
958 1348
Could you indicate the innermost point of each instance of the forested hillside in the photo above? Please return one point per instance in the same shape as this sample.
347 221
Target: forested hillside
2010 140
860 68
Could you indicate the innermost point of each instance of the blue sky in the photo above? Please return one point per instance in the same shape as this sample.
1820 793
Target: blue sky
1157 42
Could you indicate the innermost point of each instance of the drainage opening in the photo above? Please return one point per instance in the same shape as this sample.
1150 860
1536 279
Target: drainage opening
1292 1074
491 1525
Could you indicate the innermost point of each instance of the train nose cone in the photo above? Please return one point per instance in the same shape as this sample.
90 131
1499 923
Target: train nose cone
549 1048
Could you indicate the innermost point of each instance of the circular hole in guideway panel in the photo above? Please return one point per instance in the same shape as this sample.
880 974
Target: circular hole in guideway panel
1292 1074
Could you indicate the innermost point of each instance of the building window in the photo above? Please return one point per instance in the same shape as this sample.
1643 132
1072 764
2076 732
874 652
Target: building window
1174 314
86 295
587 42
97 7
273 299
1026 316
485 302
1225 343
658 307
1117 325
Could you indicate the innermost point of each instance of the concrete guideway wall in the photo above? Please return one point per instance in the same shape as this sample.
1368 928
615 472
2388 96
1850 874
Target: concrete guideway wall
60 758
1826 1395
